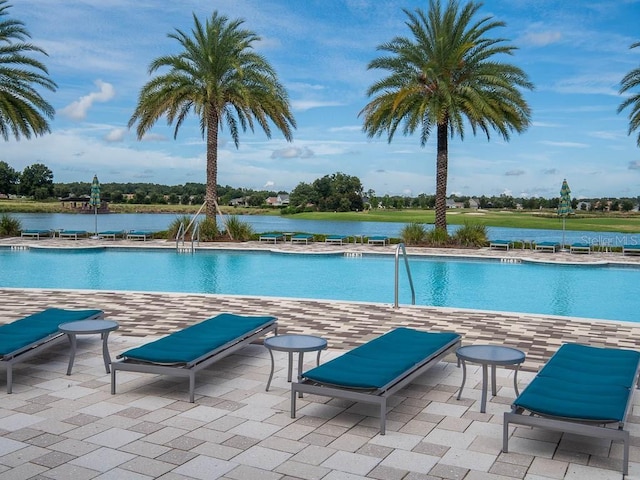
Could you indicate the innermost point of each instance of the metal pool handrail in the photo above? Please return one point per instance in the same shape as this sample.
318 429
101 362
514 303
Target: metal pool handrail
397 268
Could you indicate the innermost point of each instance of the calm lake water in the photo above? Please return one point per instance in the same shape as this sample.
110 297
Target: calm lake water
267 223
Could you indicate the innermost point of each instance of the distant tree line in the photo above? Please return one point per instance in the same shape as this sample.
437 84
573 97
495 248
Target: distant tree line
337 192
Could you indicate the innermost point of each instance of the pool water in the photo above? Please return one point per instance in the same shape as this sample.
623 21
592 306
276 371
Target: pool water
603 292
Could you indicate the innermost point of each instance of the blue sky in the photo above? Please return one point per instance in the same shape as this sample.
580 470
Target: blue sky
574 51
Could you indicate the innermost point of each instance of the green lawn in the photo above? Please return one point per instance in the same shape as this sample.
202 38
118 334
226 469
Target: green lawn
583 221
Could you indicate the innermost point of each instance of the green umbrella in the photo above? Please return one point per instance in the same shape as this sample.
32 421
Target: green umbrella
94 201
564 207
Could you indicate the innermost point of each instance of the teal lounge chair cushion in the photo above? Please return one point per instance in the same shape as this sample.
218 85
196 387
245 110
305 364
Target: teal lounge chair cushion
583 383
381 360
196 341
33 328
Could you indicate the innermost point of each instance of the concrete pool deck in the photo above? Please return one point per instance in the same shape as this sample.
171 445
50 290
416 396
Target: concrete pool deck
57 426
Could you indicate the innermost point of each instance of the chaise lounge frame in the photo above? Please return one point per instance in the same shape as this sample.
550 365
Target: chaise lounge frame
73 234
35 233
339 239
268 237
613 431
139 235
378 240
376 397
302 238
548 246
35 348
190 369
500 244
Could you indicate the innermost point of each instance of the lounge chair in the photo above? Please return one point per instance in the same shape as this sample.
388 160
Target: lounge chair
631 249
378 240
139 235
548 246
111 234
580 248
271 237
35 233
582 390
302 237
28 336
339 239
73 234
374 371
185 352
503 244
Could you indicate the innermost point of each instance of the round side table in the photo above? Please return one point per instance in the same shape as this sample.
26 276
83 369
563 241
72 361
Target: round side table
293 343
489 355
86 327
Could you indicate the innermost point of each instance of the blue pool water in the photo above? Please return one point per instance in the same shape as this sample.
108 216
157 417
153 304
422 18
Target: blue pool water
602 292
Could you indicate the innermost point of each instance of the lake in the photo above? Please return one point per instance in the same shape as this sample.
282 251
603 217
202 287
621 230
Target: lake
268 223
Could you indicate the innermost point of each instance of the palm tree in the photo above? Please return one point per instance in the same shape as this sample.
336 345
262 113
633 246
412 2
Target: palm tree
224 81
631 80
445 74
23 111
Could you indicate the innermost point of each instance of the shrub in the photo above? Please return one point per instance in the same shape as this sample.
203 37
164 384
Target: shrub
208 230
413 233
239 230
174 226
10 226
437 237
471 235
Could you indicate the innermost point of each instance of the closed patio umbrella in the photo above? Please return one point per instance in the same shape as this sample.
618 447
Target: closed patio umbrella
564 207
94 201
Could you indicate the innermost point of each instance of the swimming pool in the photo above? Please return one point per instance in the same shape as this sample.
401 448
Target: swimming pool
603 292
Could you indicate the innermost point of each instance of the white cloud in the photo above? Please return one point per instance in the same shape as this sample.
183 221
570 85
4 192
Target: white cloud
541 39
292 152
78 109
116 135
565 144
302 105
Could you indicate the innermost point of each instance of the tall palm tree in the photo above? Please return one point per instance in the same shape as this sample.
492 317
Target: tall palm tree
23 111
632 80
224 81
444 76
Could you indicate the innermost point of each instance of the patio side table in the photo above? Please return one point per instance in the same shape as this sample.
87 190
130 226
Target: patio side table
86 327
489 355
292 343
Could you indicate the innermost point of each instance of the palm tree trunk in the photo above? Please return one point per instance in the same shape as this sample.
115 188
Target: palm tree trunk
441 176
211 192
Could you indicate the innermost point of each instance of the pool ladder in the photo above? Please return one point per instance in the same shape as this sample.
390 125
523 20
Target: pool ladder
399 247
181 245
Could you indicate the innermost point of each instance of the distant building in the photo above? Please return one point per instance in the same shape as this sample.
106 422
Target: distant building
280 201
81 204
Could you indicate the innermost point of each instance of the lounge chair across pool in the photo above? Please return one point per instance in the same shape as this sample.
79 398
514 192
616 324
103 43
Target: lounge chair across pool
631 249
374 371
139 235
503 244
28 336
583 390
271 237
580 248
302 238
378 240
184 353
548 246
111 234
73 234
37 234
339 239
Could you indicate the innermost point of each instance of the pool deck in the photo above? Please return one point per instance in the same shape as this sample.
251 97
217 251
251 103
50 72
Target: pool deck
56 426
